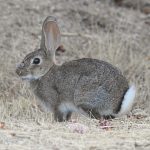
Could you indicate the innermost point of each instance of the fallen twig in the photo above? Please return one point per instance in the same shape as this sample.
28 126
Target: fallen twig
79 34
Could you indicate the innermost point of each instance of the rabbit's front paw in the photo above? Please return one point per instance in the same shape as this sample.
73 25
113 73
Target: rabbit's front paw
61 117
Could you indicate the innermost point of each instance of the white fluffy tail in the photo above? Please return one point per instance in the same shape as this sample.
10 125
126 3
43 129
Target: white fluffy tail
128 101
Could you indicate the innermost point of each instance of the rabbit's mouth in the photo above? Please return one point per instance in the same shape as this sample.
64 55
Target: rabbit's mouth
25 75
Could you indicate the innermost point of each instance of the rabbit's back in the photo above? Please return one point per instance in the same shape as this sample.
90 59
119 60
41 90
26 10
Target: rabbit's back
91 84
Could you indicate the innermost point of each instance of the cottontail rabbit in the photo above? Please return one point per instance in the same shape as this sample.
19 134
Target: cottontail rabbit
90 86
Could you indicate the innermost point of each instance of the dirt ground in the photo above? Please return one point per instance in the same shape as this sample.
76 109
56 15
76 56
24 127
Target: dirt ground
115 31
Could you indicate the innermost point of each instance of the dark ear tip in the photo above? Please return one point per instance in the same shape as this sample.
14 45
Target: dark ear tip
50 18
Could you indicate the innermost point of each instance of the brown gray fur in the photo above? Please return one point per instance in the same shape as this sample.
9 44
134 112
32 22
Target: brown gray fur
89 86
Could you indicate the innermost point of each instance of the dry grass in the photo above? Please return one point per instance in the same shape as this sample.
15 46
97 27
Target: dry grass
96 29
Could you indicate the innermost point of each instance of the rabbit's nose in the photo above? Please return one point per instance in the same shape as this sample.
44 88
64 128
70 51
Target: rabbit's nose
18 71
20 65
19 68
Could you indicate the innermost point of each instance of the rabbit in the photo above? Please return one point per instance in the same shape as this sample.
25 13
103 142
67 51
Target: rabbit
88 86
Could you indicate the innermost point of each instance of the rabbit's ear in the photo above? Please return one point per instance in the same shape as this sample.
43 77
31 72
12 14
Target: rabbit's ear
50 36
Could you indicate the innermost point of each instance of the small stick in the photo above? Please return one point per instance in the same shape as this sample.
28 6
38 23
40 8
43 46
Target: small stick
79 34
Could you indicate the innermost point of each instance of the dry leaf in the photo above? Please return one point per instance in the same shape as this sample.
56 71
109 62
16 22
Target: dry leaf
2 125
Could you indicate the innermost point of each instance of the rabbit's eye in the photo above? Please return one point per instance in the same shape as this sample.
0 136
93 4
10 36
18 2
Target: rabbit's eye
36 61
